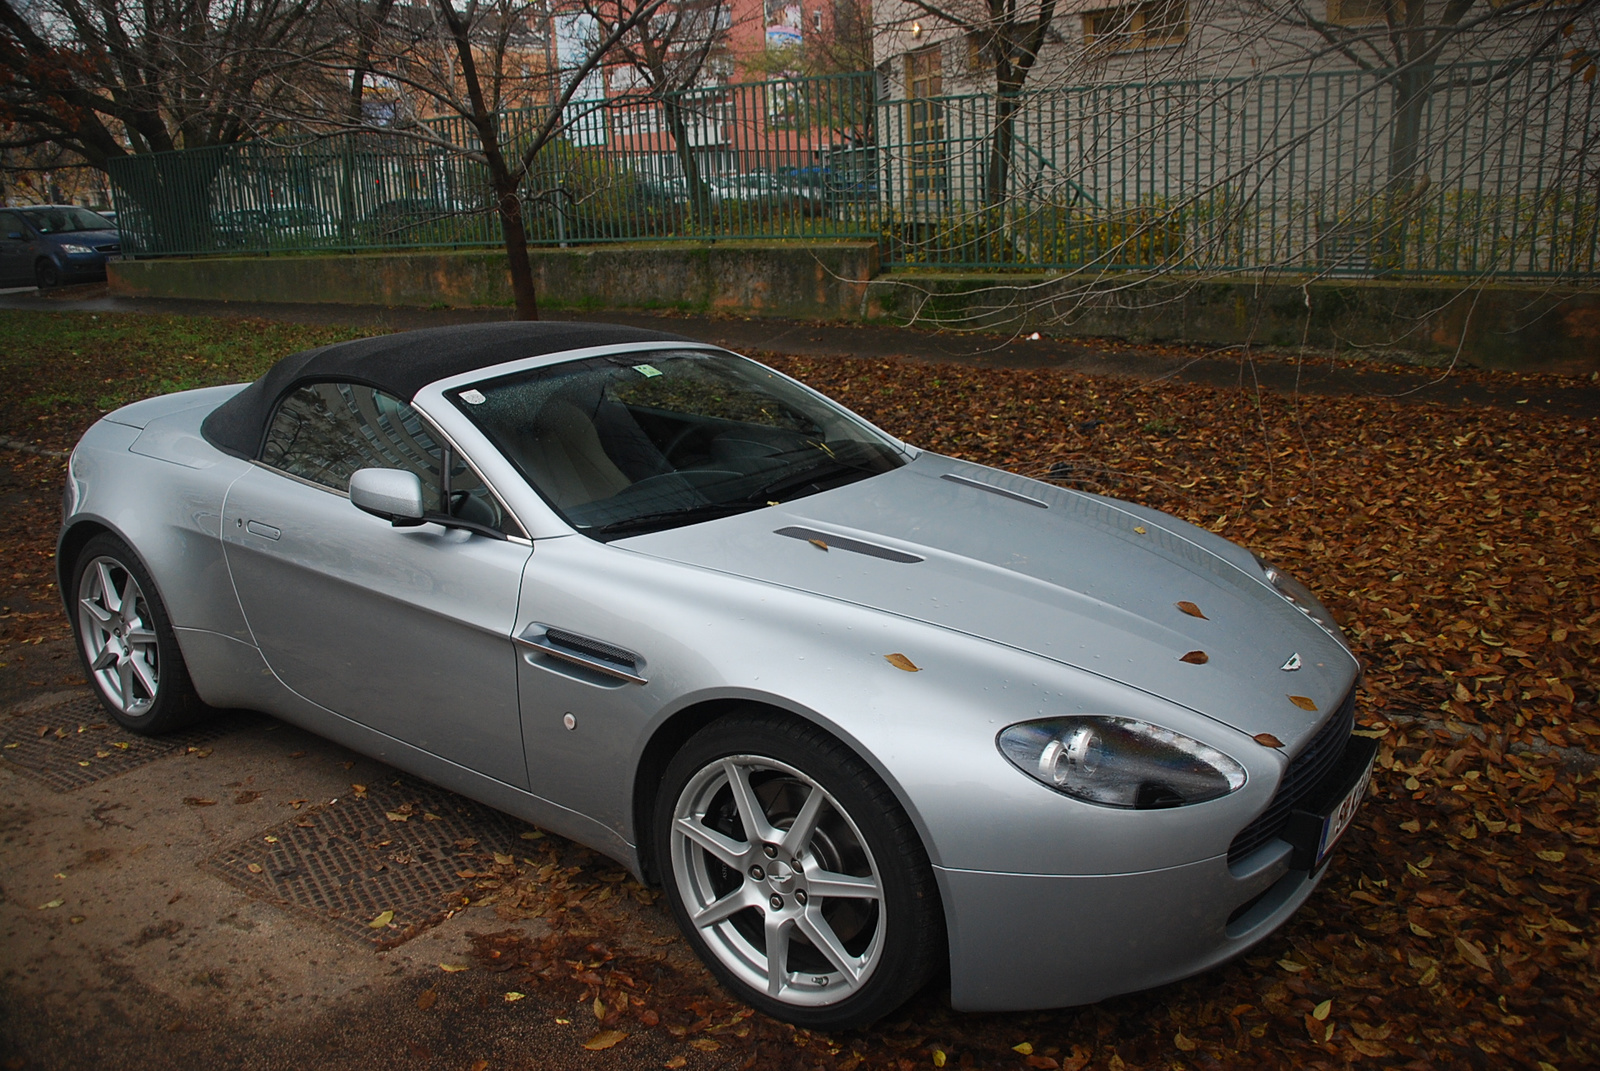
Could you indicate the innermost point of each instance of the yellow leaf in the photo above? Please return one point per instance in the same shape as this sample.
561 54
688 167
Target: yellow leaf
900 661
938 1057
1472 953
453 967
599 1008
604 1040
1551 856
396 816
254 868
52 904
704 1045
1186 1044
1192 610
819 544
675 1063
1320 1012
1138 529
1267 740
1291 966
1026 1048
1419 931
1303 702
383 919
532 834
503 860
1371 734
514 996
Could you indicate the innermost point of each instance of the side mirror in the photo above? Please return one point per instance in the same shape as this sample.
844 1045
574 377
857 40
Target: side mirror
15 236
393 494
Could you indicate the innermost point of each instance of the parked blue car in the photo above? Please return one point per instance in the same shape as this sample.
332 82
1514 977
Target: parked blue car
52 244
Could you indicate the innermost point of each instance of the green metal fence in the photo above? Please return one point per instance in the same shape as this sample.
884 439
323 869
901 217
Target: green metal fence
1489 171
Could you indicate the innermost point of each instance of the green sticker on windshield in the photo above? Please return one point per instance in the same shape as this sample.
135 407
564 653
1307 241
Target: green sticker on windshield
648 371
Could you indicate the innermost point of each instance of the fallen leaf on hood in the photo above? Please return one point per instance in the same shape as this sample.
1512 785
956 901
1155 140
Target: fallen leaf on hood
819 544
1267 740
1192 610
1196 658
1139 529
900 661
604 1040
383 919
1303 702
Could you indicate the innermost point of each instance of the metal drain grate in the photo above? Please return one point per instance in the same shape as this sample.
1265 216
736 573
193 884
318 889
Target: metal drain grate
76 743
347 862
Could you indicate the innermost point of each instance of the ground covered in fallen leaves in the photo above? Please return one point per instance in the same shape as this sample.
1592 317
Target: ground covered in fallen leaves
1460 546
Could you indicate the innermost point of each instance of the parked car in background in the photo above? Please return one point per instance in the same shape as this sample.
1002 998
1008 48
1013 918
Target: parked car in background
52 244
274 226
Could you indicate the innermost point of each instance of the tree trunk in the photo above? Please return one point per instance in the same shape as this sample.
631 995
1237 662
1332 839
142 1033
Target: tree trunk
998 175
1412 89
694 185
516 242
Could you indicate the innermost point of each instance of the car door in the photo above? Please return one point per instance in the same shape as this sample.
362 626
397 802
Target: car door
404 630
16 267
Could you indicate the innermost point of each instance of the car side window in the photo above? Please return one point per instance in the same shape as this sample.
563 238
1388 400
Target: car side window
11 223
324 432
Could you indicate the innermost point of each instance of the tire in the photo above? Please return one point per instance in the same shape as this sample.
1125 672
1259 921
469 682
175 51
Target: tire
46 274
126 642
755 909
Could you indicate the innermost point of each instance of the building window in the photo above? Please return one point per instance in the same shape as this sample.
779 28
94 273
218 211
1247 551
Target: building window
1153 24
1359 12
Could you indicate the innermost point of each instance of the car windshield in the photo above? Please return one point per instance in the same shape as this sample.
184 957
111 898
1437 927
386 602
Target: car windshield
639 442
65 220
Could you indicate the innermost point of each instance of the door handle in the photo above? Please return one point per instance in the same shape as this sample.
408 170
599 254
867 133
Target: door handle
264 530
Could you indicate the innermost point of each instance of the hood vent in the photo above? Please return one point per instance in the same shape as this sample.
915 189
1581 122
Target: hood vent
855 546
993 490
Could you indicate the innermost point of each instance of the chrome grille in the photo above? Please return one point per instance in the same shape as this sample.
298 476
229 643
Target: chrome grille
1305 770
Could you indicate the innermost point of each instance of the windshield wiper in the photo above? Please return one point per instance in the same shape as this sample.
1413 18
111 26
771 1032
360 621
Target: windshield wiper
671 517
828 468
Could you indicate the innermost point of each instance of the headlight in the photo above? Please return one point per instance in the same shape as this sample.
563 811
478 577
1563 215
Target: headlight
1120 762
74 249
1301 596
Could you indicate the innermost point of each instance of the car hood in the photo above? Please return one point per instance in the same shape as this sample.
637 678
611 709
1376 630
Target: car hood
1085 581
83 237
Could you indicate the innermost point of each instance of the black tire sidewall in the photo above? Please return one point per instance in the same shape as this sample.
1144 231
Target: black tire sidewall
175 703
46 274
910 911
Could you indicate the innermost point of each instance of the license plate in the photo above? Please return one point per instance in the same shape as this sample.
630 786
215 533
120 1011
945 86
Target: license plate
1339 818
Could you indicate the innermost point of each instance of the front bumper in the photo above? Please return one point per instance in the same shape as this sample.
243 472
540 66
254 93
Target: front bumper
1023 941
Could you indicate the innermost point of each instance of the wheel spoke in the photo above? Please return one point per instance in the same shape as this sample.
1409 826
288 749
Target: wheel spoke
826 883
816 928
125 678
108 587
128 601
142 670
101 614
798 836
751 813
725 908
105 659
778 932
724 848
140 635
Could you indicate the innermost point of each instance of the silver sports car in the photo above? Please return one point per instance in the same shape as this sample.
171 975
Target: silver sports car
867 713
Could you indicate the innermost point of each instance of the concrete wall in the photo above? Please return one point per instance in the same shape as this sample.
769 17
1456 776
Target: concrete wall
1524 327
1527 328
820 281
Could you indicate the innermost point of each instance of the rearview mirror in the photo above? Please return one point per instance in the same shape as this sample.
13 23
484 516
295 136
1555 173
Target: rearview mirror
393 494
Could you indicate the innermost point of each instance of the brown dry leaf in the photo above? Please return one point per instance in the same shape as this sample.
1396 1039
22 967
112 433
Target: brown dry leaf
1303 702
1196 658
1044 1063
599 1008
426 998
819 544
1267 740
705 1045
480 1065
1472 954
1183 1043
1192 610
604 1040
396 816
199 801
676 1062
1369 1048
900 661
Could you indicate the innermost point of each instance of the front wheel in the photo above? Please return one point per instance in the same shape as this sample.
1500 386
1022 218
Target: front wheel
126 641
795 873
46 274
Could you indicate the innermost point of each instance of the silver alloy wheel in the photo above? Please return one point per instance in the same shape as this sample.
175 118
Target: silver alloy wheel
780 907
118 636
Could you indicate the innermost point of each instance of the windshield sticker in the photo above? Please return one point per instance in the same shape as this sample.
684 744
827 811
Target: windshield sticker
473 397
648 371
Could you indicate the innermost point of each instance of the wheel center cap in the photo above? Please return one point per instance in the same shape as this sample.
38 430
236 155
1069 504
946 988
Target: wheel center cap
780 873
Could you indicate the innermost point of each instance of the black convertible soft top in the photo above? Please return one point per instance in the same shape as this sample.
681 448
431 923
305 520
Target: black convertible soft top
401 365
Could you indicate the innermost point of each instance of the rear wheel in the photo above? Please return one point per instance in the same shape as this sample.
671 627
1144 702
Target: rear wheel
126 641
46 274
795 873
